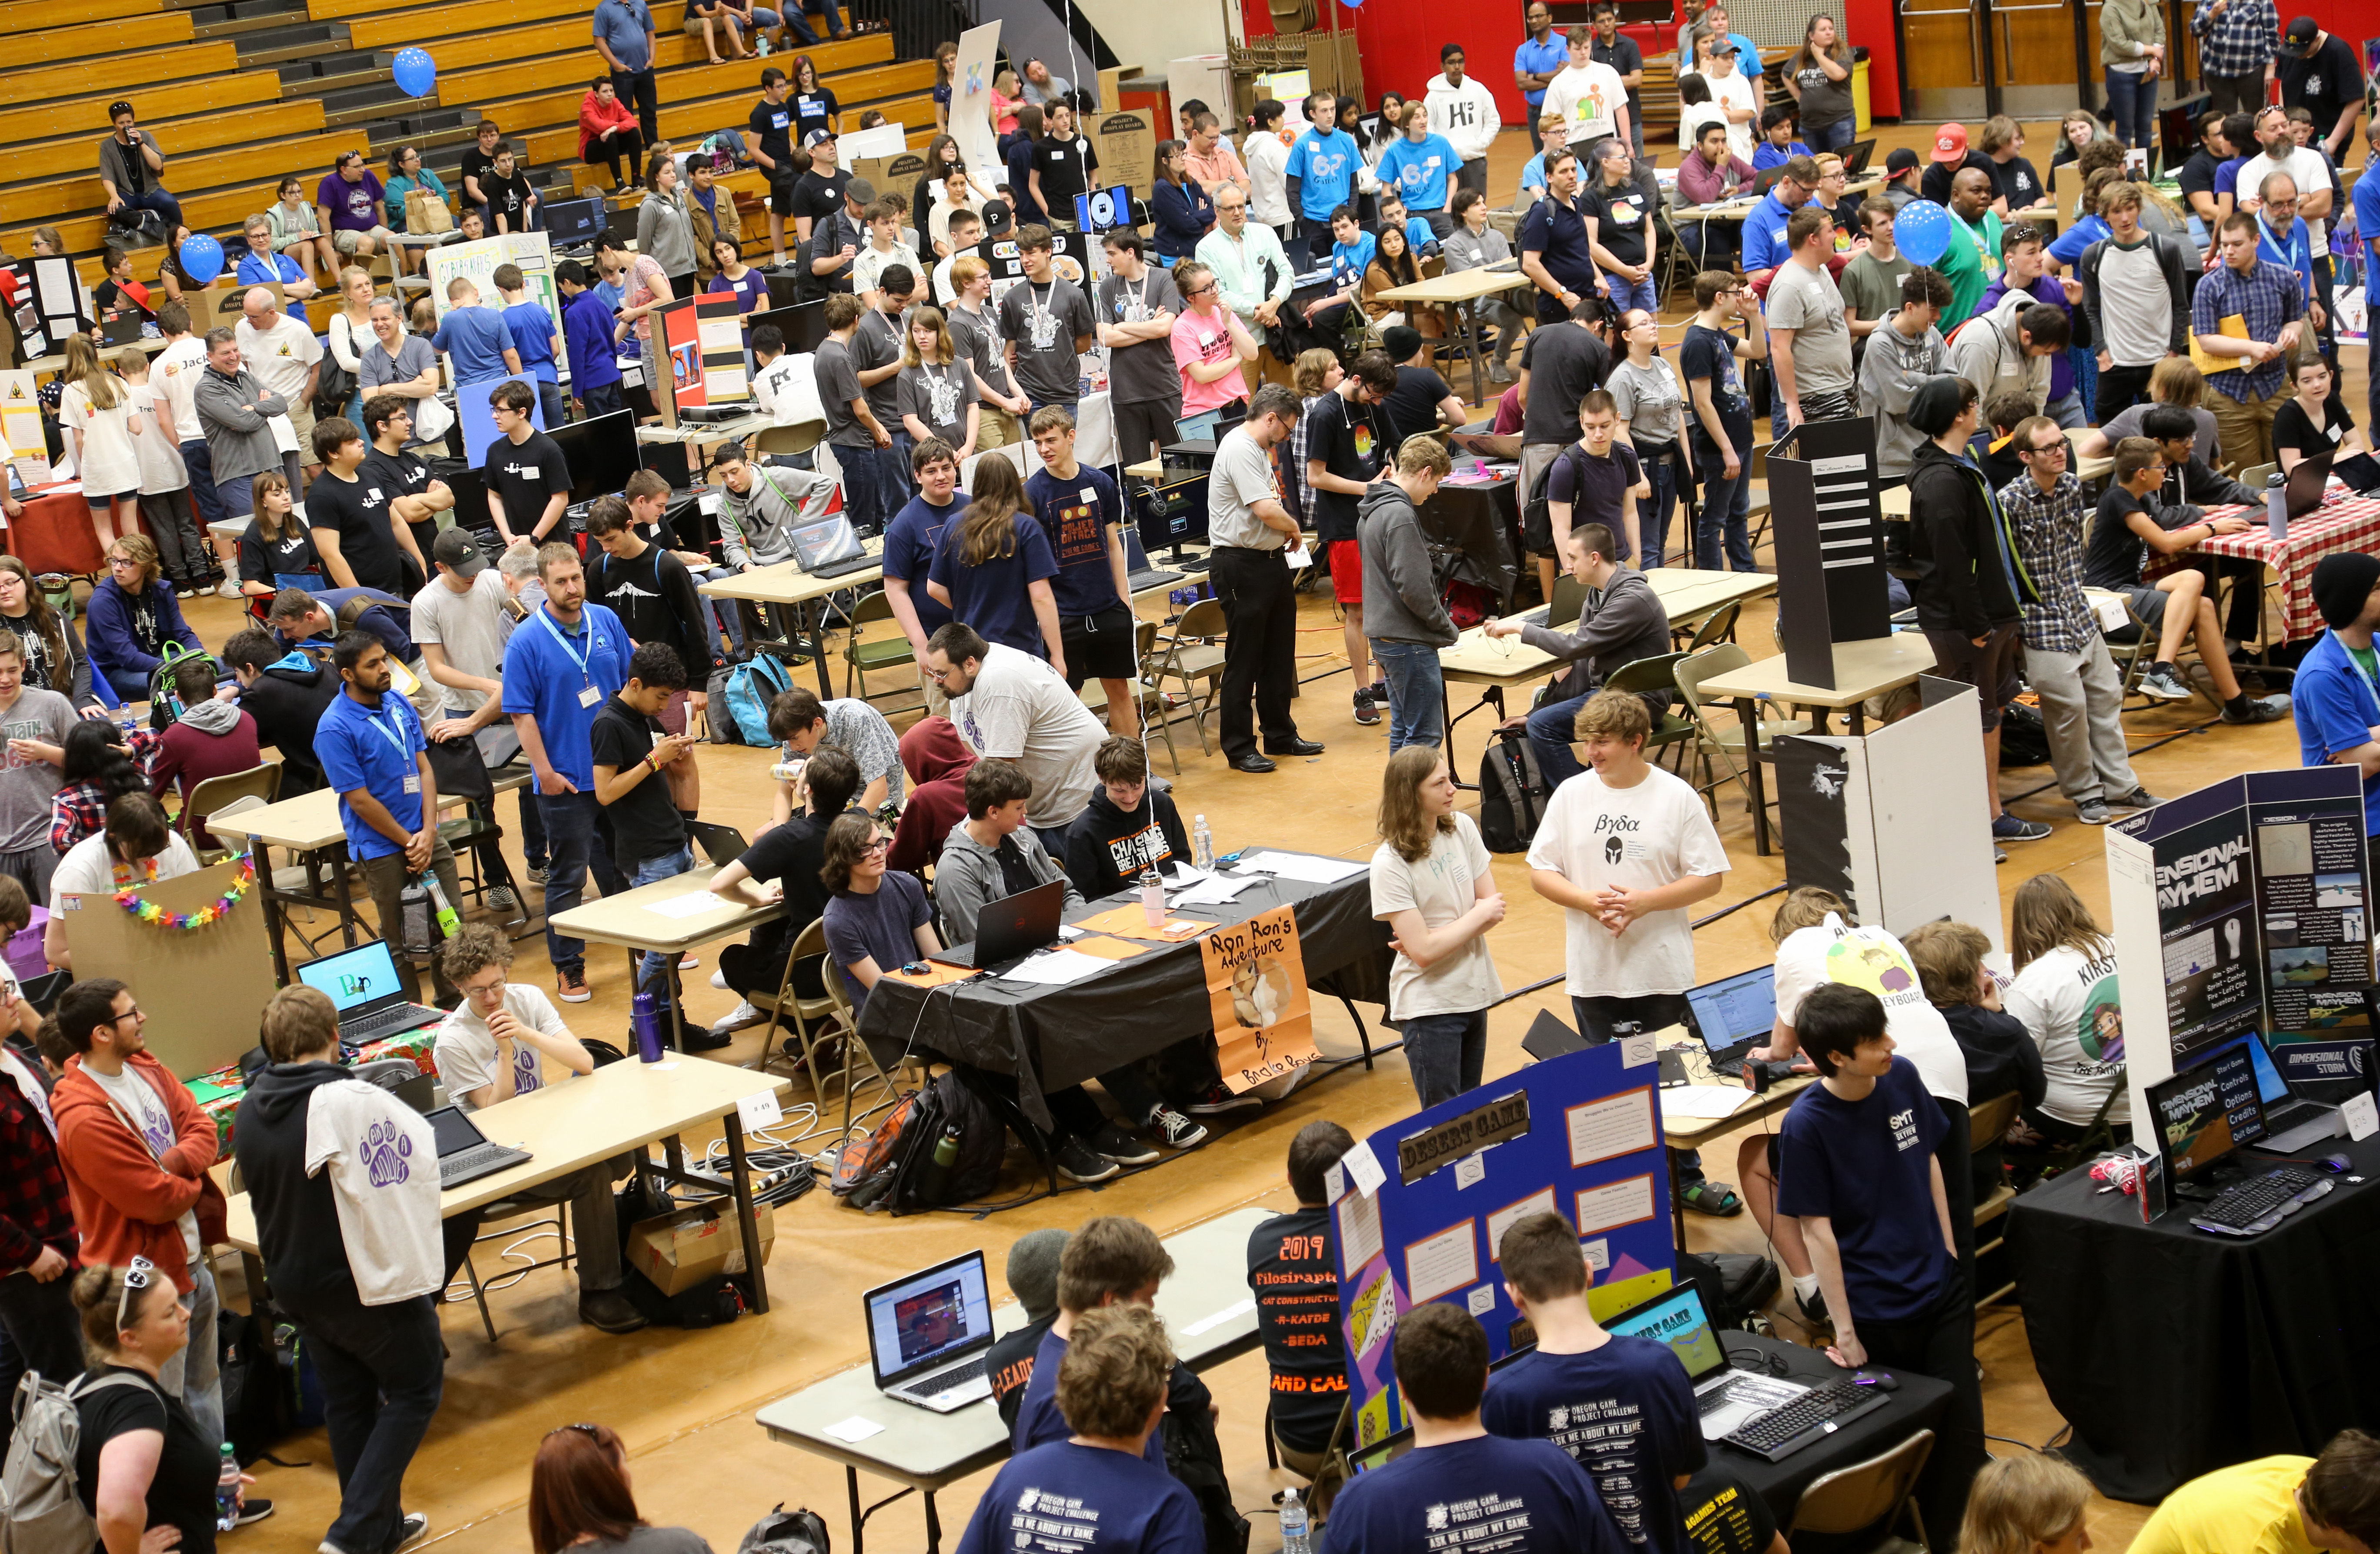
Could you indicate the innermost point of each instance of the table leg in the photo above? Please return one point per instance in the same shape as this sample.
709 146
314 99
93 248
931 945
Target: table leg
275 926
739 1175
1471 342
817 648
933 1527
1748 714
851 1489
1856 715
677 1003
344 893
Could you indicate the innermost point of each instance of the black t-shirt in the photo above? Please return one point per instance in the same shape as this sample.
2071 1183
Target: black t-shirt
1724 1514
358 512
1351 442
1297 1285
1017 875
524 477
2116 552
772 126
644 821
819 195
476 164
2197 175
1710 353
1564 361
792 854
655 599
182 1494
2326 85
1621 216
1065 168
2292 427
813 110
1412 406
293 553
402 474
507 197
1010 1366
1935 184
1596 488
2017 183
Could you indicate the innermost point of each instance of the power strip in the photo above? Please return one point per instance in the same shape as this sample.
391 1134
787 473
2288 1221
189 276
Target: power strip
762 1183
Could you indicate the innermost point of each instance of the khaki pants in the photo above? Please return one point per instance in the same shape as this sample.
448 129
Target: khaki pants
2082 702
384 877
996 429
2245 430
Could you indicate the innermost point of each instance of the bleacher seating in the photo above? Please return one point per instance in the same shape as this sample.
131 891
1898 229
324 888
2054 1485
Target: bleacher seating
240 93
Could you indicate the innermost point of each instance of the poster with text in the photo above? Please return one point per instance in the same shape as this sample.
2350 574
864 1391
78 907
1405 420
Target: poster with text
2314 905
1256 989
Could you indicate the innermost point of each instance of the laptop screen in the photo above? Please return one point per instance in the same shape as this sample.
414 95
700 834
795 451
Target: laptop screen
2203 1113
455 1131
1677 1319
820 543
940 1312
355 978
1734 1010
2271 1089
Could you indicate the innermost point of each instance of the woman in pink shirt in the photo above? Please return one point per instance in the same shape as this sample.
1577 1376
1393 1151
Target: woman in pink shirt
1210 342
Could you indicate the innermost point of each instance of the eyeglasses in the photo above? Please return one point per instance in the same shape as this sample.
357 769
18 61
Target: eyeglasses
136 1276
1200 291
872 848
938 675
2050 450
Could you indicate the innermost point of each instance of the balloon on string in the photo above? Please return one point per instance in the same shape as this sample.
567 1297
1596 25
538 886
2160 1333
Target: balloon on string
1922 231
415 72
201 256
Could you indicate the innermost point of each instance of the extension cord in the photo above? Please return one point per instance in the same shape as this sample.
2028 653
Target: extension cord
762 1181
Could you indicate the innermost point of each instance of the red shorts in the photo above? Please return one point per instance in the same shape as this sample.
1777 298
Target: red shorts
1346 572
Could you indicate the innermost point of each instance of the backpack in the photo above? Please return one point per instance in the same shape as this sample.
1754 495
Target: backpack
862 1161
41 1503
722 727
1196 1459
786 1531
1513 792
1735 1286
751 687
164 706
951 1107
1536 515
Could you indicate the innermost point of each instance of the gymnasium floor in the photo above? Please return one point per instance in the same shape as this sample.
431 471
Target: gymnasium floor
684 1402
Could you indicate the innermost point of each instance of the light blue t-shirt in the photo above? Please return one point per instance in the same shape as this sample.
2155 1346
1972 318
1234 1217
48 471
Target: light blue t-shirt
532 329
622 24
1348 261
1325 167
477 339
2333 702
1420 169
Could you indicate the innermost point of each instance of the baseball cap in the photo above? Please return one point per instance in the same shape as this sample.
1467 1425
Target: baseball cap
860 191
456 548
815 135
1722 47
1950 143
1901 161
2300 38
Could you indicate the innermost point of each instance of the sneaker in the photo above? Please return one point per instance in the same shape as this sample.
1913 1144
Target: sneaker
1176 1131
2257 709
1121 1144
412 1530
1078 1163
501 899
1814 1306
718 981
743 1015
704 1039
608 1311
2010 827
2139 798
1498 373
2092 812
1366 712
253 1509
2000 855
1219 1099
571 987
692 962
536 874
227 589
2162 684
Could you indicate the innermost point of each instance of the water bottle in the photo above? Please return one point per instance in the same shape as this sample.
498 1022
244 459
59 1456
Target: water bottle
227 1492
449 925
1152 898
1294 1539
932 1181
2276 505
1202 844
645 1024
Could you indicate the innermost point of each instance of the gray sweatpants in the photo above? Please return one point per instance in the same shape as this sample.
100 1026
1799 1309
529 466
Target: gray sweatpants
2082 702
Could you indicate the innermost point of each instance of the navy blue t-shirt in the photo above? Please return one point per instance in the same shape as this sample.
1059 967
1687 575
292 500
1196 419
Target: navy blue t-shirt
1488 1494
1867 1167
994 597
1625 1411
1710 353
1065 1499
1078 512
1037 1419
909 543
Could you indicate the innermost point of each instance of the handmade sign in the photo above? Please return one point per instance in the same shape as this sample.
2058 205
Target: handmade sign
1256 985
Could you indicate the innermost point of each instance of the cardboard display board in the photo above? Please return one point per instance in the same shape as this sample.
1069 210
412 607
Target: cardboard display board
1127 146
1419 1215
2246 905
477 263
228 958
897 175
479 416
703 337
1830 576
1256 994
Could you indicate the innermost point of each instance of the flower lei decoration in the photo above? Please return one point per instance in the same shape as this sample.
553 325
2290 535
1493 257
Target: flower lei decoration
148 911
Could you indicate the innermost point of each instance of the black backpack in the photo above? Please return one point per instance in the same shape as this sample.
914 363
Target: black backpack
786 1531
1195 1458
1537 514
911 1181
1735 1286
1513 792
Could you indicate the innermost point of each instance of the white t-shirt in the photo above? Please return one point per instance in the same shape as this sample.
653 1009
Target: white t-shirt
162 469
787 389
1589 102
467 1055
2307 170
1652 835
175 373
108 464
1442 887
2070 1005
382 1156
1735 91
141 1103
1874 959
279 357
88 869
468 628
1019 710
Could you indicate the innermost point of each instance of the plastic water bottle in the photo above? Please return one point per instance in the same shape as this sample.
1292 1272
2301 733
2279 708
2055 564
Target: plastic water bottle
1202 844
645 1024
1294 1539
227 1492
2277 506
1152 898
449 925
414 919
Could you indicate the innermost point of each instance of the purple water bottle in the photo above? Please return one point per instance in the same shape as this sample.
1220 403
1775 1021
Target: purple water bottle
644 1023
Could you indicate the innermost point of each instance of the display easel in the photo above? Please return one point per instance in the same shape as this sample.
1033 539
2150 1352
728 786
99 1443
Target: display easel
1830 531
204 989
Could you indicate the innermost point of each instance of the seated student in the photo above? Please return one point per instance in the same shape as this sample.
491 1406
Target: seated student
133 618
136 845
1109 1392
936 760
1421 237
1033 1280
1458 1479
2027 1500
1777 143
276 550
98 763
208 738
1621 620
1109 1261
875 921
1725 1514
491 1048
2287 1504
981 860
2066 995
1128 826
638 782
800 722
286 693
2176 382
1296 1283
2316 420
1858 1168
2000 1053
783 865
1622 1407
2187 480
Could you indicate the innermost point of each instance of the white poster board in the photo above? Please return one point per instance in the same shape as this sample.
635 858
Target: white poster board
971 96
477 263
888 138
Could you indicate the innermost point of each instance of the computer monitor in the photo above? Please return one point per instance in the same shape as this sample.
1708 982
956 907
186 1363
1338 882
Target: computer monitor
1174 515
1104 210
602 453
1733 1014
569 223
1209 425
2203 1113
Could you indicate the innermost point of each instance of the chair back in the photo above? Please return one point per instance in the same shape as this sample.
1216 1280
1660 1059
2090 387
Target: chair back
260 783
1656 672
2255 477
1694 668
1205 618
810 944
1988 1122
721 845
1721 627
1852 1498
877 606
796 438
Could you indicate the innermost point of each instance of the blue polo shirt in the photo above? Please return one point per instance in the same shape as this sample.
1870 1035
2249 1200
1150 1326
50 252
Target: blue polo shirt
2068 248
1325 167
547 669
478 340
379 752
1763 233
2367 215
2336 710
255 269
1420 168
1548 58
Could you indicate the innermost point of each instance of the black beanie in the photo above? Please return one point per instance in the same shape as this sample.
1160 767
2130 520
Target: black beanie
2343 580
1936 403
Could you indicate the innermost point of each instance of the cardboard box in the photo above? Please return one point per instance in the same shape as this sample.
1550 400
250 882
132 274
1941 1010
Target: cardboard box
680 1249
1126 142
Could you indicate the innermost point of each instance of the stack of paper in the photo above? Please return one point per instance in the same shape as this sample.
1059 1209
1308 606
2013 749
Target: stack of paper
1056 968
1305 866
1214 892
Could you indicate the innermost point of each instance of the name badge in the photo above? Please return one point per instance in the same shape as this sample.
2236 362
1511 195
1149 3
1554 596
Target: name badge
413 783
589 696
1089 495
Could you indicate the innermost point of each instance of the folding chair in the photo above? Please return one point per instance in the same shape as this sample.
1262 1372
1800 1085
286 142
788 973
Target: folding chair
260 783
1692 671
1986 1123
1655 673
811 1020
1152 703
1878 1493
1195 654
862 654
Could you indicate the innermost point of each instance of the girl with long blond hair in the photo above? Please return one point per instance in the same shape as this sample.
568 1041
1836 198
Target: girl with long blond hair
2065 992
937 390
1432 885
993 568
95 411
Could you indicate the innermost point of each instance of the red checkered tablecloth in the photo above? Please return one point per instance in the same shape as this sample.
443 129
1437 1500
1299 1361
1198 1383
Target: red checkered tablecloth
2352 523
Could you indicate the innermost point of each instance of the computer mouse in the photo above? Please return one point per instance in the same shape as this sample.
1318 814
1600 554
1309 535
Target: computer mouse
2337 1162
1882 1380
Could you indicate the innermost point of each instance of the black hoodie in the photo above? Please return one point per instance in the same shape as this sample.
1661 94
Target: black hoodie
1106 840
296 1218
1963 582
287 702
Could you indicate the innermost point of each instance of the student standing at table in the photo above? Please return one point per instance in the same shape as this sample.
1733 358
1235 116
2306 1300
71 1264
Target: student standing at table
526 475
1048 323
639 781
1432 885
1082 515
1409 623
1138 305
560 667
1858 1168
993 568
652 592
1248 526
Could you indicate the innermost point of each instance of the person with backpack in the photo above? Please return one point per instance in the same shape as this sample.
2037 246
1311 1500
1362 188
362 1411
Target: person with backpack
1619 621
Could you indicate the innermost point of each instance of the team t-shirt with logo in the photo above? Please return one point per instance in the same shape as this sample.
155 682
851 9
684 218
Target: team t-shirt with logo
358 512
2069 1002
1077 514
1872 958
1065 1499
1295 1281
938 394
1867 1166
467 1055
1043 320
1482 1496
139 1102
1624 1411
1651 834
382 1159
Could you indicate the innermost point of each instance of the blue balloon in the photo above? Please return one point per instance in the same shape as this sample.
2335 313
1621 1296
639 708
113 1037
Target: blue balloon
1922 231
415 72
202 257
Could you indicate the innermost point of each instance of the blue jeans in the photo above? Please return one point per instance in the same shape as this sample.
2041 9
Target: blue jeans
1446 1053
653 970
164 204
800 28
869 496
1595 1016
200 463
1416 693
1727 504
1653 512
237 496
2133 99
1834 137
1553 728
1627 294
576 840
1711 243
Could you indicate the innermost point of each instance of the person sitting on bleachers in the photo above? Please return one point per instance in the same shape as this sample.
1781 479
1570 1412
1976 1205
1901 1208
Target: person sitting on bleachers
261 264
132 170
350 202
1295 1281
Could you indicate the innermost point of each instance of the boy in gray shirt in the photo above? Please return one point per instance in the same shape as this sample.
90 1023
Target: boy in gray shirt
28 784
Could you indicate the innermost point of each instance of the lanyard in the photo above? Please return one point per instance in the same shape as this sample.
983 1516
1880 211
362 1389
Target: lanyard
546 616
2289 250
388 730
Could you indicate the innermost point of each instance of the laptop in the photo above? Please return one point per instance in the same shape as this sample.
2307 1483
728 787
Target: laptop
465 1153
1726 1398
2307 483
1011 928
1733 1015
1209 425
830 548
2291 1123
1767 178
1855 160
2360 472
363 986
930 1335
122 329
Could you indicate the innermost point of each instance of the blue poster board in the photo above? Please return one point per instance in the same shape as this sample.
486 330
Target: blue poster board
1580 1136
479 419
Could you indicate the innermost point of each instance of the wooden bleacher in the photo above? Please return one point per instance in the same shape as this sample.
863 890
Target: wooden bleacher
239 95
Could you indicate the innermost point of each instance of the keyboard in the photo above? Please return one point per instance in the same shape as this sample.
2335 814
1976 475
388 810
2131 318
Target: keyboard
1813 1416
468 1163
387 1022
1141 582
848 564
2261 1202
943 1380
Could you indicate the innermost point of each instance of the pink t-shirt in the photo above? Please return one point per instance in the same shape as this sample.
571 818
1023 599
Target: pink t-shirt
1205 337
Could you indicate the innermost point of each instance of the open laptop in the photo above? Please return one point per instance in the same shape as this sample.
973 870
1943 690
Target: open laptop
464 1154
829 548
1733 1015
2291 1123
2360 472
1726 1398
1011 928
363 986
930 1335
1856 158
2307 483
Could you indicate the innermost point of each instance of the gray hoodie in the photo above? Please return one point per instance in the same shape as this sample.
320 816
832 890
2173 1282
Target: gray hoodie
1623 623
968 876
1400 598
212 716
237 424
758 530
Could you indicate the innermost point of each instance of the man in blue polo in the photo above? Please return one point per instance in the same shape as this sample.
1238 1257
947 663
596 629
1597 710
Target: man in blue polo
1321 171
2334 699
561 666
375 754
1537 62
1763 230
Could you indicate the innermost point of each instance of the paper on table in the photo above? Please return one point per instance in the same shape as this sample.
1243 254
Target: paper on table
2363 1118
1306 867
1215 892
855 1429
1710 1101
692 903
1056 968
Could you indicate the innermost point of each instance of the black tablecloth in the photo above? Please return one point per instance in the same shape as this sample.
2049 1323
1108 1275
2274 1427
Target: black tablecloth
1055 1037
1483 524
1917 1405
2174 1351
